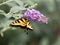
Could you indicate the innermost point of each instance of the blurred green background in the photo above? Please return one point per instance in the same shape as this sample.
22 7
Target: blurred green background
43 34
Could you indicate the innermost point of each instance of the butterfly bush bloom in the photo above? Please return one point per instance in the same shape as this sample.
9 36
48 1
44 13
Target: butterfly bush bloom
35 15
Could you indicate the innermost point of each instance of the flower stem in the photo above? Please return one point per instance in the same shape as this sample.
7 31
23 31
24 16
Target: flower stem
5 2
32 6
3 30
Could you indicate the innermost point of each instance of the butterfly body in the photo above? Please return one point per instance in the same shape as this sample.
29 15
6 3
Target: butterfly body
23 23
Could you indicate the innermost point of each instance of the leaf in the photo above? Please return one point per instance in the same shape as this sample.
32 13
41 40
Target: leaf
16 9
17 16
29 2
19 2
8 15
12 4
2 1
2 12
5 22
1 34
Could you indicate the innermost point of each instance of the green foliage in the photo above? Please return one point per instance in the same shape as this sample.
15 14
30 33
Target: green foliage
43 34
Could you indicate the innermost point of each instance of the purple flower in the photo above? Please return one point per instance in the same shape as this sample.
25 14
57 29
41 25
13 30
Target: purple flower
35 15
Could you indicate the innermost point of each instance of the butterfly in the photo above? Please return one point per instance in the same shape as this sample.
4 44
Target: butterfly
23 23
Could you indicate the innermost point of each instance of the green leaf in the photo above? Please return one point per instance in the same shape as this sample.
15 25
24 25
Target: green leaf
8 15
2 1
16 9
19 2
2 12
17 16
29 2
12 3
5 2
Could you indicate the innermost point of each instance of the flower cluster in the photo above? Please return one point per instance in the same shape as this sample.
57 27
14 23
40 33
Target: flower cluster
35 15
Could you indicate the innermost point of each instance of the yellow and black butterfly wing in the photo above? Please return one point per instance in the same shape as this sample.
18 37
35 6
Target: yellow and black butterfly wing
29 26
18 23
23 22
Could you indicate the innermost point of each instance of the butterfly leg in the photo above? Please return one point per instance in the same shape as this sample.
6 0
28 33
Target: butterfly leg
27 31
